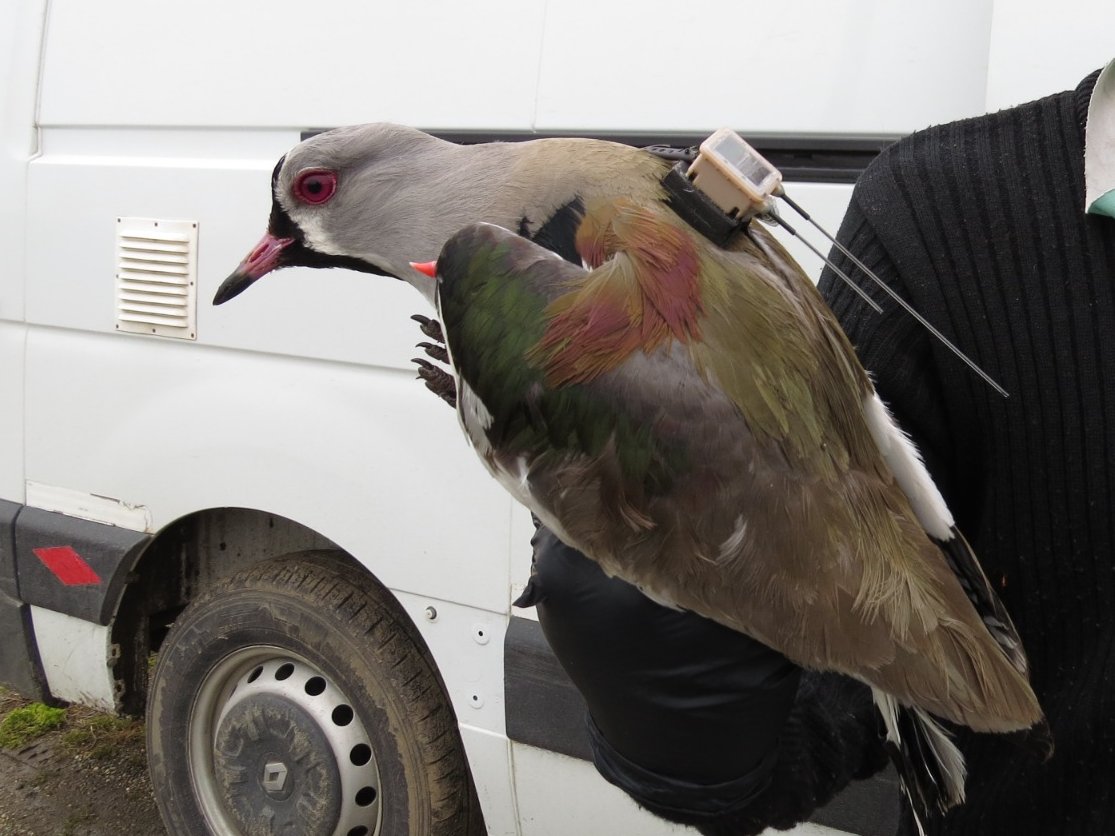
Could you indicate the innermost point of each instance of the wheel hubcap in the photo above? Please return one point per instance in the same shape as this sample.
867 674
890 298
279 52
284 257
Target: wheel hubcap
276 747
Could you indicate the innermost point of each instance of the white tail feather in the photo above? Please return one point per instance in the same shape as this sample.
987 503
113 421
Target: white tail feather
940 782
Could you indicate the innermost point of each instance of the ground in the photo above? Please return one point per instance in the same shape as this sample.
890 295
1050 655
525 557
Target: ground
78 773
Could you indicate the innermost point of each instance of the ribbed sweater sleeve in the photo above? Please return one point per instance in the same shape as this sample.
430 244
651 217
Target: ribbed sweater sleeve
980 225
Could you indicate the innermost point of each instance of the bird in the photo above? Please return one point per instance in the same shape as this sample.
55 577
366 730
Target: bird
690 416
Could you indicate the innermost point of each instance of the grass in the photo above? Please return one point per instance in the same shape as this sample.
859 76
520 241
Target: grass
98 737
104 737
87 771
24 724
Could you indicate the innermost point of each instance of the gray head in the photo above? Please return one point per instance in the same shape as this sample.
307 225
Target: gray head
376 197
335 203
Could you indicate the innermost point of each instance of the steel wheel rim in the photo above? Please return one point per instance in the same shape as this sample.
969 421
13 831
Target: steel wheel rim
257 670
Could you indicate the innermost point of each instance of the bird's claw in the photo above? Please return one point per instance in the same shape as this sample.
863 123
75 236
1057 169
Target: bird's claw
438 352
437 380
430 327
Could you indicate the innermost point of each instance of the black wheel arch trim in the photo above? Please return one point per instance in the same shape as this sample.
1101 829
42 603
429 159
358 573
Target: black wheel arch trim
87 581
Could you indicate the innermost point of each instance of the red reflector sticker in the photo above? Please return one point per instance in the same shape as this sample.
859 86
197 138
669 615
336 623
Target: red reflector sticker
68 566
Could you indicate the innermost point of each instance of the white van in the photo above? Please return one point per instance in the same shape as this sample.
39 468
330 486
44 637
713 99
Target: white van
268 476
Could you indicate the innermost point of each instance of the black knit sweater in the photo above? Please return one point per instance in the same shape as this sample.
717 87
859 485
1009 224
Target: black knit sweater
980 225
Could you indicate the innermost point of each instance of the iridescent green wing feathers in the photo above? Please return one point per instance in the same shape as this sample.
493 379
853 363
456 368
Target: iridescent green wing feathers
497 296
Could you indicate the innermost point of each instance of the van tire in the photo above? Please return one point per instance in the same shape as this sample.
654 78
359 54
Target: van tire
297 694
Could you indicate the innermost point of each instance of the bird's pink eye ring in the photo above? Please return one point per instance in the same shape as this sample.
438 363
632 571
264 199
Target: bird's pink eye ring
315 186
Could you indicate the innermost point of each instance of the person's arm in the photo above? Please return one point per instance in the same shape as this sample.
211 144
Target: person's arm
831 738
699 724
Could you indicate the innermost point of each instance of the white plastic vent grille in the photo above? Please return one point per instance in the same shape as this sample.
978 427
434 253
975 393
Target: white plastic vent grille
156 277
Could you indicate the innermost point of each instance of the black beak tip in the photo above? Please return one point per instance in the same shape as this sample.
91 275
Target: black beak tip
232 287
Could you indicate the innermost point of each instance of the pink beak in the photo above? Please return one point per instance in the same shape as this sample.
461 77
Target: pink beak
263 258
428 268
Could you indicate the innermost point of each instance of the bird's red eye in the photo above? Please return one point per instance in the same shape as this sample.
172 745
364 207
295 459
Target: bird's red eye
315 186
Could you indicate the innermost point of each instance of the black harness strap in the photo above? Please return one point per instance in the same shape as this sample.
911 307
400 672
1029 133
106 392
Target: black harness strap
691 204
695 208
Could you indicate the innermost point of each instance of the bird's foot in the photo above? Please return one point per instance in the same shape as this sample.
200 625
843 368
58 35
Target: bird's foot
437 352
430 327
437 380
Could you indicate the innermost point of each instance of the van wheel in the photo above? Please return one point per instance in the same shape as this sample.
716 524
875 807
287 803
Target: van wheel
296 697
